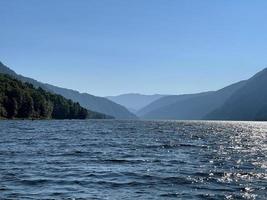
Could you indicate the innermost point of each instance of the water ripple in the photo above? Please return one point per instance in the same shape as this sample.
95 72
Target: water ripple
108 159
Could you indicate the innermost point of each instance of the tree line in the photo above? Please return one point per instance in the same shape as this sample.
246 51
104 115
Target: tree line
23 100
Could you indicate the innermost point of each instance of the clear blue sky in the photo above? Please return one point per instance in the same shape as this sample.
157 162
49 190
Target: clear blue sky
108 47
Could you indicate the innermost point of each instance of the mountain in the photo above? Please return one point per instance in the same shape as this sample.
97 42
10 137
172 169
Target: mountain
191 106
247 103
134 102
23 100
97 104
162 102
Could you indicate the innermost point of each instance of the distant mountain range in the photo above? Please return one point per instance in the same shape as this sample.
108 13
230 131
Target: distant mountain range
134 102
150 110
94 103
248 103
192 106
245 100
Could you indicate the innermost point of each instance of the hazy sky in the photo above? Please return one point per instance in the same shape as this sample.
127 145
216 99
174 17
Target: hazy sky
107 47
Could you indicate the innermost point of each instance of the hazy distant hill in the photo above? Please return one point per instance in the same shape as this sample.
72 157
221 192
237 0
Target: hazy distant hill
98 104
245 100
191 107
247 103
134 102
162 102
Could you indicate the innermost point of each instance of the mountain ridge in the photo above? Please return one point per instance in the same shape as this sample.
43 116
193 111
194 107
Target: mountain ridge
248 103
91 102
193 106
20 100
134 101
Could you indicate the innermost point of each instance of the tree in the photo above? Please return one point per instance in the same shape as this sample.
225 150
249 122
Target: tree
23 100
26 107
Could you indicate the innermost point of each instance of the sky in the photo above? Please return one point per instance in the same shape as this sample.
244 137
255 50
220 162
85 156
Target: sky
111 47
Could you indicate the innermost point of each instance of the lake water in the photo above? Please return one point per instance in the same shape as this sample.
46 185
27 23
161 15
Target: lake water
133 160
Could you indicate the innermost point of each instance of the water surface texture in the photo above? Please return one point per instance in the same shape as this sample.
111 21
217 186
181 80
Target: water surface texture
132 160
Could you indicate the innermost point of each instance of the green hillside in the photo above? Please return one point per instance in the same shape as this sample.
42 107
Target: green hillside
23 100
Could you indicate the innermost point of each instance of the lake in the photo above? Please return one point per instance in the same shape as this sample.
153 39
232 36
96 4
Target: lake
109 159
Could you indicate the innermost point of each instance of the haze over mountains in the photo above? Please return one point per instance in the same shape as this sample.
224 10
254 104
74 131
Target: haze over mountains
133 101
162 102
247 103
244 100
191 107
94 103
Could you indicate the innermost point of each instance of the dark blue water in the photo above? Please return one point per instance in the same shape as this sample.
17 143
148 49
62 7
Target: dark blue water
132 160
